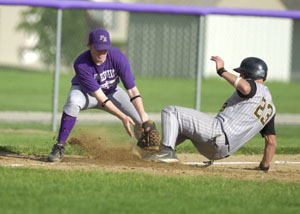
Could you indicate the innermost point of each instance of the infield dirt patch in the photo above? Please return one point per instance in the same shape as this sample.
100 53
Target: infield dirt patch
104 157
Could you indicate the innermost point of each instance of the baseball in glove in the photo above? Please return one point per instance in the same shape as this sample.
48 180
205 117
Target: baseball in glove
150 139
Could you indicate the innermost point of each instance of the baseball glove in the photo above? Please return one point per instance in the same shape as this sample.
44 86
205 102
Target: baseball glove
150 139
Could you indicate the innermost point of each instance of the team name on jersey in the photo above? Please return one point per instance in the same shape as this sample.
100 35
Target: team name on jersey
104 75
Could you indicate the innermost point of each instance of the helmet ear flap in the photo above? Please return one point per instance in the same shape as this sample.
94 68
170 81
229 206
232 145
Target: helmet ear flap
247 75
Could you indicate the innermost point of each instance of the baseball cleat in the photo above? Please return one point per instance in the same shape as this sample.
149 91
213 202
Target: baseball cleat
166 155
57 153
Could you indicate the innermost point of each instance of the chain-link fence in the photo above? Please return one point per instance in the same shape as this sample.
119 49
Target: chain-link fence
163 44
159 41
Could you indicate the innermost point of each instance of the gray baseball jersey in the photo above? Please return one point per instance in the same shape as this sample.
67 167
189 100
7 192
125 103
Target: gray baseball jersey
241 118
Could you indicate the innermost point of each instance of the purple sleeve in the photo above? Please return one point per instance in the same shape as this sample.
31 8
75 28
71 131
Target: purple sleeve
125 73
85 78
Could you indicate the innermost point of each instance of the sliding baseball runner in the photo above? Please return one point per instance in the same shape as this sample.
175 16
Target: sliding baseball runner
249 111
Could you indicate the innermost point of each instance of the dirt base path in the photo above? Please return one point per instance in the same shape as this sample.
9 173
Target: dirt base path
286 169
114 158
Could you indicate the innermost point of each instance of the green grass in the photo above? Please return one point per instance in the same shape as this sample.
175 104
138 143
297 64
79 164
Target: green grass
50 191
287 141
92 191
32 91
285 95
114 133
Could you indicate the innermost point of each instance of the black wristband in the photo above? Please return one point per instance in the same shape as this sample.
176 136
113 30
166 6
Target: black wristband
104 103
261 167
221 71
133 98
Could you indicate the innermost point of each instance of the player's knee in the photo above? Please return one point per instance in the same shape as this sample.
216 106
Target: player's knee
74 105
72 110
169 109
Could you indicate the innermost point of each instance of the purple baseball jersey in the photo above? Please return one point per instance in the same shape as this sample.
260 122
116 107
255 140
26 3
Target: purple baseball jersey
91 77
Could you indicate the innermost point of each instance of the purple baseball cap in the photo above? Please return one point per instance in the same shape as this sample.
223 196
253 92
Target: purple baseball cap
100 39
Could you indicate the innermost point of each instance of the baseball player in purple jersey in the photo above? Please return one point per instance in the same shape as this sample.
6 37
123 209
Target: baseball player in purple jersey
247 112
95 85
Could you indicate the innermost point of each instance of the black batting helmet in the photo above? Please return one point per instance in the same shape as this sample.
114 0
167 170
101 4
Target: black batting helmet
253 68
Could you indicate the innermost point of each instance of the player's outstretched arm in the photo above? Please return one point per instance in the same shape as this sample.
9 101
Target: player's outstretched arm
237 82
137 101
111 108
219 62
269 151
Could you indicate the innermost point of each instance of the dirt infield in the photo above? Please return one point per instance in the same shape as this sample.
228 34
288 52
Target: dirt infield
129 159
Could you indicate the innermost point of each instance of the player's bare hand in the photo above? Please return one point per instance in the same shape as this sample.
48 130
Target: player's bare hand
219 62
270 169
126 123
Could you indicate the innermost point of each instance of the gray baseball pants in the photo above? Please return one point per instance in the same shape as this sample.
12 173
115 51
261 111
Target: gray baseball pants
205 132
78 101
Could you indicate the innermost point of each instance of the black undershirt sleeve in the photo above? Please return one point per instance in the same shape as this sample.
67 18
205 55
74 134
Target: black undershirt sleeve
252 92
269 128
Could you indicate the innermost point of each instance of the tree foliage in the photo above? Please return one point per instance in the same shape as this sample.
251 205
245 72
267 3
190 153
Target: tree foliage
42 23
